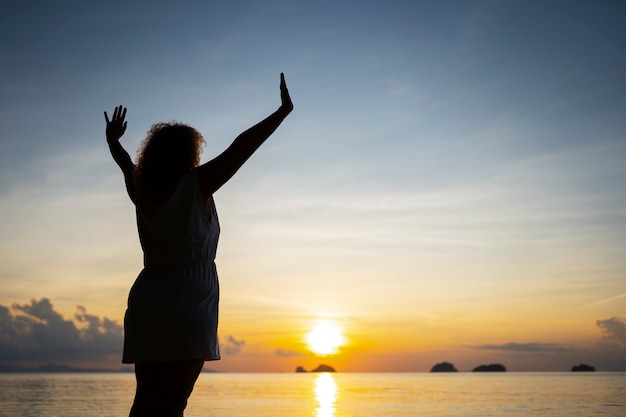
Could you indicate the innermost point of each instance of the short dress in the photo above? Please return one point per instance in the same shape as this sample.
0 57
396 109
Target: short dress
172 312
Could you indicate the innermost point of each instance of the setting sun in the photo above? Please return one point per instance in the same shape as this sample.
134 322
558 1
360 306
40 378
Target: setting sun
325 338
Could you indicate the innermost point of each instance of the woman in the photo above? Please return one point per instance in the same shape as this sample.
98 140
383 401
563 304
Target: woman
170 326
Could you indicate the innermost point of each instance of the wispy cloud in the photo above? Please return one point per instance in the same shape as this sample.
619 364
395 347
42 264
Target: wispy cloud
287 353
607 300
232 346
526 347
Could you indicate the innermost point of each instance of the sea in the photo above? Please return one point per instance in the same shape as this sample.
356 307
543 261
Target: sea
328 394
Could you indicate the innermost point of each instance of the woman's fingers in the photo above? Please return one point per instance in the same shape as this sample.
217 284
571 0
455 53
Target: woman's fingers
119 114
284 94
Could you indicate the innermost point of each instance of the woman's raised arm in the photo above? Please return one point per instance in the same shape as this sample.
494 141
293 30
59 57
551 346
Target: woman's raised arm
215 173
114 131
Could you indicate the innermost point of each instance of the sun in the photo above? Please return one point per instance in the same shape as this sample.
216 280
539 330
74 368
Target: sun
325 338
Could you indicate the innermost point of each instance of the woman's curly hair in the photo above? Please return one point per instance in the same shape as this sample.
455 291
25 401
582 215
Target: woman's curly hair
164 156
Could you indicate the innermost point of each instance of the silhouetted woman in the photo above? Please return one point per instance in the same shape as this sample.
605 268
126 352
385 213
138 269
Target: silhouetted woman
170 326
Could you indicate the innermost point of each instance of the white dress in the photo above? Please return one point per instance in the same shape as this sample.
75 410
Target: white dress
172 309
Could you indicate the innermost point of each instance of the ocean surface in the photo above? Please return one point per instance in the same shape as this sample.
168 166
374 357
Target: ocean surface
328 395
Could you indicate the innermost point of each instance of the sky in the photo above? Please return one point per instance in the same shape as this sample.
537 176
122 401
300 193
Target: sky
451 185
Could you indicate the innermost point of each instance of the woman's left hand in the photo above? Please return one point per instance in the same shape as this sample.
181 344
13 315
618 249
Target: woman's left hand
117 125
286 105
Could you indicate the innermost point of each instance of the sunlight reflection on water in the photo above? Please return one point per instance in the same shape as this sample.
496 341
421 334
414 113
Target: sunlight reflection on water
325 395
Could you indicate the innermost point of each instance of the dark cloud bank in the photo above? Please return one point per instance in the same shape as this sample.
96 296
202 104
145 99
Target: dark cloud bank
35 334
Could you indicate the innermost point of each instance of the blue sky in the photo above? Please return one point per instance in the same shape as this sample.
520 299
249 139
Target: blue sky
457 168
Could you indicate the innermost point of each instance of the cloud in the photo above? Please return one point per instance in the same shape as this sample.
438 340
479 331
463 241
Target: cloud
287 353
607 300
36 332
615 333
232 346
526 347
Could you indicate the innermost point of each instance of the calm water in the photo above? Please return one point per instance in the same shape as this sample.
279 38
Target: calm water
329 395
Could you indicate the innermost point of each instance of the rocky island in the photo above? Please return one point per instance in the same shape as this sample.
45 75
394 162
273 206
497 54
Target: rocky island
444 367
320 368
583 367
494 367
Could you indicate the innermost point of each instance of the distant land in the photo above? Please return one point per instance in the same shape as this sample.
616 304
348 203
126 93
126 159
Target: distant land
439 367
51 367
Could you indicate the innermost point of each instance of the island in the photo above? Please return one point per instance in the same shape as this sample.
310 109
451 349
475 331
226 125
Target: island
494 367
444 367
320 368
324 368
583 367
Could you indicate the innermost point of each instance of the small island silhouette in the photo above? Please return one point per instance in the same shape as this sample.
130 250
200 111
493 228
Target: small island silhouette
583 367
320 368
494 367
444 367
